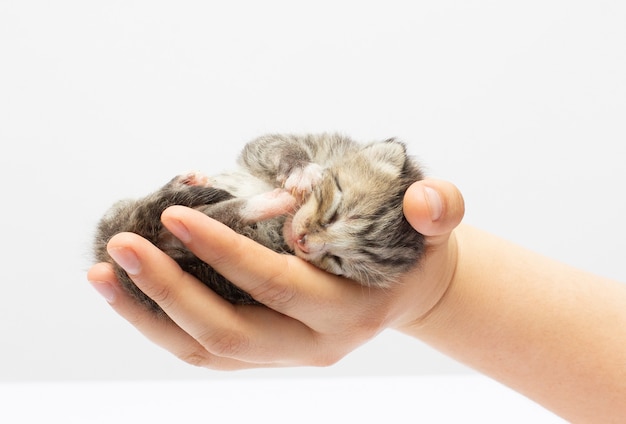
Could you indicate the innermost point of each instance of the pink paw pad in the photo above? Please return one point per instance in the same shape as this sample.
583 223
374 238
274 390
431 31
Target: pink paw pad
195 179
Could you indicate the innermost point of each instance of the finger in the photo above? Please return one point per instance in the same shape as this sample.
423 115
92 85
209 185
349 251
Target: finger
158 329
249 334
434 208
283 282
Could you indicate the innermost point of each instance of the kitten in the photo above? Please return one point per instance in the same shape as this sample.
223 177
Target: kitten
325 198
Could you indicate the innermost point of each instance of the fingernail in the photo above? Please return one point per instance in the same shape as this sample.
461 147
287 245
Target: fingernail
434 203
179 230
105 289
127 259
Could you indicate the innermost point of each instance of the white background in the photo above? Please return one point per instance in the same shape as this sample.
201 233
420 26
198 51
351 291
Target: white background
429 399
521 104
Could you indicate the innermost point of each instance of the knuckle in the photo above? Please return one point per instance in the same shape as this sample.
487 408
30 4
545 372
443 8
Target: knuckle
275 295
161 295
276 291
227 344
325 361
196 358
368 327
326 356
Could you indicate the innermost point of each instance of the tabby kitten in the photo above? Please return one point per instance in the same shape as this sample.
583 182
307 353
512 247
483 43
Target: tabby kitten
325 198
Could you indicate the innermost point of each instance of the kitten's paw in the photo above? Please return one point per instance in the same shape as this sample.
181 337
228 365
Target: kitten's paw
301 181
195 179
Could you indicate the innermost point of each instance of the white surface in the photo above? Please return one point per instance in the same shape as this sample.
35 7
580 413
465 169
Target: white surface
521 104
443 399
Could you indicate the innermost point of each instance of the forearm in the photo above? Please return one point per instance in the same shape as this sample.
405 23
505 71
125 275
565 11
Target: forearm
554 333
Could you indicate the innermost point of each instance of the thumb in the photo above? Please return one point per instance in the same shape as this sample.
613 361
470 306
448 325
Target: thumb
433 207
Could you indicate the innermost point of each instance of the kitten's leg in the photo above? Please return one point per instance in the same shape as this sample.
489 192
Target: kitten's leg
238 214
268 205
273 157
191 179
257 208
286 161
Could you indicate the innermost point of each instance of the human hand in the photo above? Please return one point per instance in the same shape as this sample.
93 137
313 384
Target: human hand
310 318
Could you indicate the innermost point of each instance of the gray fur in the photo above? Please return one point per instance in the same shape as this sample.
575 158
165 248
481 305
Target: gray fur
345 215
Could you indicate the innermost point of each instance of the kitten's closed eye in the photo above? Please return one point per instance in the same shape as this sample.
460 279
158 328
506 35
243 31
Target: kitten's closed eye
353 225
329 197
332 214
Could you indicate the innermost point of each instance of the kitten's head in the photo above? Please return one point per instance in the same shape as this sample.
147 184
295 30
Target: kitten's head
352 224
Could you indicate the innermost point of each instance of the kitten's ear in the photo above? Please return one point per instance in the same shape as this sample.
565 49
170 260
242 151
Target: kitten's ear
390 155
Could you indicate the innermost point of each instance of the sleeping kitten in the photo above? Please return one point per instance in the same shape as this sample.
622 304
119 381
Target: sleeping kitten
324 198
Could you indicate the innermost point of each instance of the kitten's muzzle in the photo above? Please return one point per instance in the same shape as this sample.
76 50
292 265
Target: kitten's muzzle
309 247
301 243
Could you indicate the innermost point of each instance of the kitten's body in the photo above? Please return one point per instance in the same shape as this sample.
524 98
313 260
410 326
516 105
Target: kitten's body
326 198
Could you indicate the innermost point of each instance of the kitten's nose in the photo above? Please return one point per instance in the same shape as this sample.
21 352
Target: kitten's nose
302 243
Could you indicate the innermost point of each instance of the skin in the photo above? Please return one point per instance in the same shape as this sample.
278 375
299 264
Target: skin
554 333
